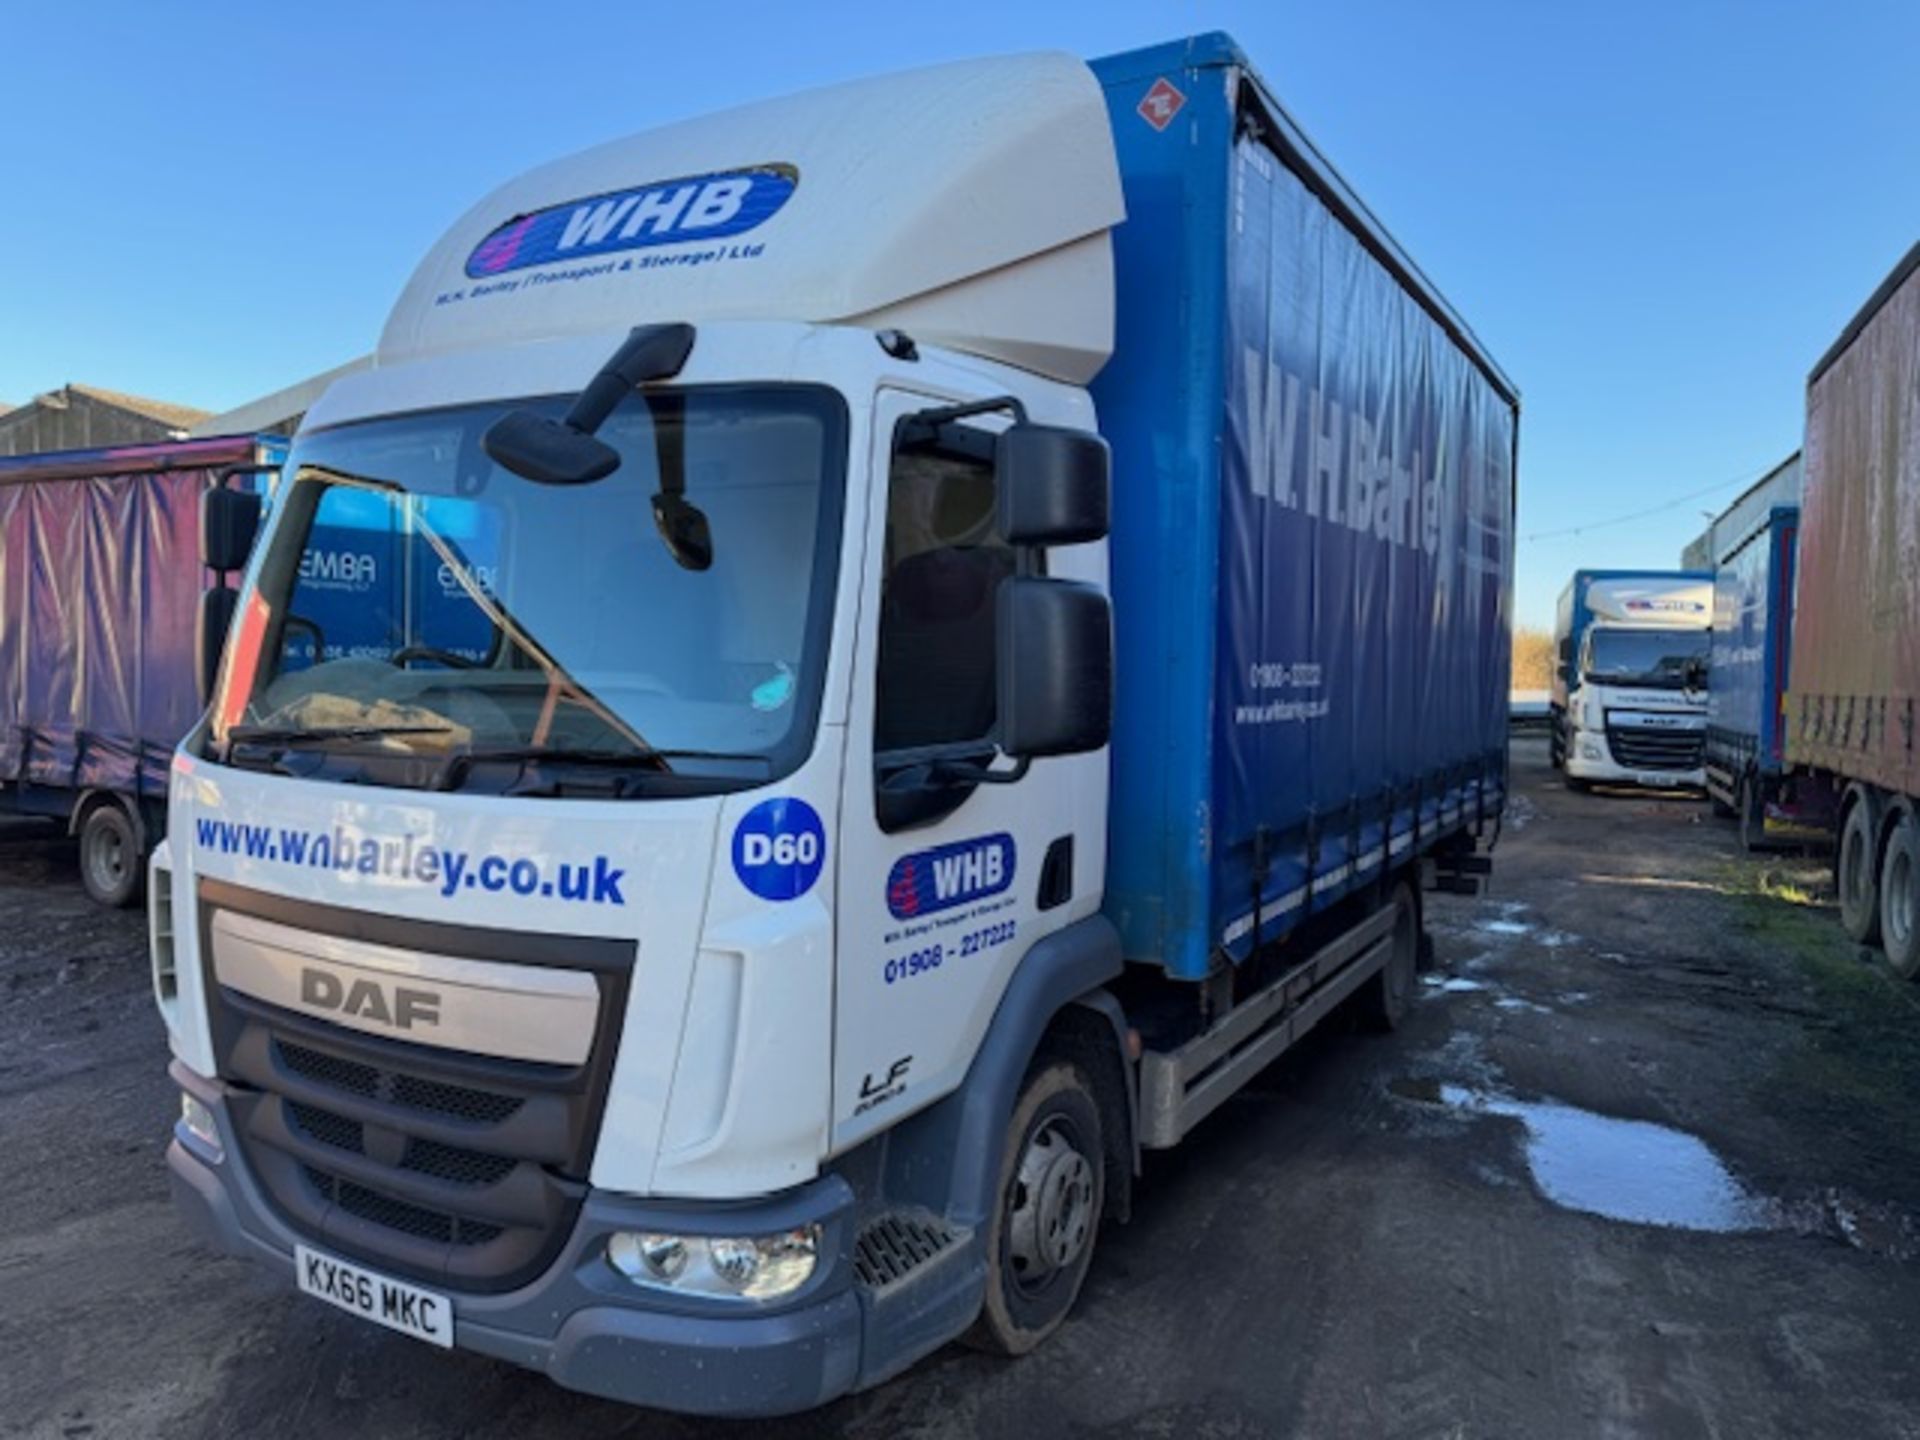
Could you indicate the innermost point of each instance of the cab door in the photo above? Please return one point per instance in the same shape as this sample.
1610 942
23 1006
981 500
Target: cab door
942 887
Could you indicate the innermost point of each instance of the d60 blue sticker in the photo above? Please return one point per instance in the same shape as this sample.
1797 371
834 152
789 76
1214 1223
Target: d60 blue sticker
779 848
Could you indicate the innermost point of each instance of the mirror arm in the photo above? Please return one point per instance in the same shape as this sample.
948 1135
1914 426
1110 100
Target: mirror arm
923 427
961 772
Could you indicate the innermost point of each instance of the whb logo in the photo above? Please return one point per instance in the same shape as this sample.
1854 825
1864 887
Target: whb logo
779 847
696 207
949 875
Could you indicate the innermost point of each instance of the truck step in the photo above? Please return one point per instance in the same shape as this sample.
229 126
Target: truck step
892 1246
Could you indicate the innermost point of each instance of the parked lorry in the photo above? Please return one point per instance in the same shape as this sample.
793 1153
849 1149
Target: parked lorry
1757 543
1850 722
1629 681
972 639
100 579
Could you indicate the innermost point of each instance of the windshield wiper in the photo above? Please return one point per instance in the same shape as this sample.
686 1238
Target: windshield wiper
296 734
453 770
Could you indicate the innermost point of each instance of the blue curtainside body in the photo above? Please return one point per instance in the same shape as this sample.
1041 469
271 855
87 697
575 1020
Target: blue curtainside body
1312 535
1752 643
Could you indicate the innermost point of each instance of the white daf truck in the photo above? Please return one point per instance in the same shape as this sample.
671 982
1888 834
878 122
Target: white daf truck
1629 703
756 765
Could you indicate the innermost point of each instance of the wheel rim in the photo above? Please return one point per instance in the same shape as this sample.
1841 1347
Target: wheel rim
1051 1216
107 859
1898 918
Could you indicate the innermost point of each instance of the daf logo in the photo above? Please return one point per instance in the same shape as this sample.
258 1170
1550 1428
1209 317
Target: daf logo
403 1009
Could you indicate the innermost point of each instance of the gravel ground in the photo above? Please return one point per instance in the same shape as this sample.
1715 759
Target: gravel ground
1643 1163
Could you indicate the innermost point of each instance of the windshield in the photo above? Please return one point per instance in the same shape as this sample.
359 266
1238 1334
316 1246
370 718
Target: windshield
1661 659
424 617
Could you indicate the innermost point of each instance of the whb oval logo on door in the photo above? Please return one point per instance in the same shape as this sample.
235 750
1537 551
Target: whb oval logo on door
949 875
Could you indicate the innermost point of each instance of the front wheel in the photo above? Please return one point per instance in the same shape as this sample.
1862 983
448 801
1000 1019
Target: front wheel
1052 1189
110 861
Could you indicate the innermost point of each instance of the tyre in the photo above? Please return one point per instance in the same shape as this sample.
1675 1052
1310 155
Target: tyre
1857 878
111 866
1752 810
1721 809
1900 898
1052 1190
1388 996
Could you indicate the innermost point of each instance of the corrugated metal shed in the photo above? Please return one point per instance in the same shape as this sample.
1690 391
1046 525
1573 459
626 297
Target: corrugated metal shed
86 417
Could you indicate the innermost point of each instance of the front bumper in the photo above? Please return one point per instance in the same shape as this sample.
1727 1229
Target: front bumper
581 1324
1582 764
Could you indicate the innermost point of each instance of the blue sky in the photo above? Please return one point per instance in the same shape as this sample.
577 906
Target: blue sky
1657 215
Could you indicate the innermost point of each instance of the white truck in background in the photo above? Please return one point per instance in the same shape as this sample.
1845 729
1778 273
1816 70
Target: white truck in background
1629 704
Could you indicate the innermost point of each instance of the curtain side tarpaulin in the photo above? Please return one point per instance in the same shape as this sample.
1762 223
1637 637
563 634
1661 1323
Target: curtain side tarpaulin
1856 643
1366 553
99 584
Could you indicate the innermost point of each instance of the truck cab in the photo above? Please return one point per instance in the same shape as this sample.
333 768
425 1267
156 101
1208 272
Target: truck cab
1632 701
562 851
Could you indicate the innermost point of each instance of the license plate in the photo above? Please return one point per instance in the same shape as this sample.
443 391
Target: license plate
395 1304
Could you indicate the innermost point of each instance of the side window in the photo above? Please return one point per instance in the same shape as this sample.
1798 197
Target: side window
944 565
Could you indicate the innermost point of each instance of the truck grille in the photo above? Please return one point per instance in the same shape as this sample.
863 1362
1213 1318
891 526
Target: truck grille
1656 749
461 1170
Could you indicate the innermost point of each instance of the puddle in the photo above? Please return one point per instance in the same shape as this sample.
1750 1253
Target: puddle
1452 984
1631 1170
1504 927
1514 1002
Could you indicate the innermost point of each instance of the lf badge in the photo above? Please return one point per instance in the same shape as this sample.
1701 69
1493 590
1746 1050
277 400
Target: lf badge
877 1090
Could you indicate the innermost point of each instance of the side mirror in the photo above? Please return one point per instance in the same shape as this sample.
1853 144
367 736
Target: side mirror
229 524
1055 667
211 623
547 452
1054 485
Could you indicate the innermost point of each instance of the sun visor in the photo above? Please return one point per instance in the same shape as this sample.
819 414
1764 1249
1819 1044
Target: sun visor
968 204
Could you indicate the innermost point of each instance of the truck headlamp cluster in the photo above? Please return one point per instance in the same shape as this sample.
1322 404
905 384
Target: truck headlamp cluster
758 1267
197 1120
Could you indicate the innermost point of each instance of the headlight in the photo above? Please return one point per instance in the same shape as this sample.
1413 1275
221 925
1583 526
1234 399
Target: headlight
756 1267
197 1120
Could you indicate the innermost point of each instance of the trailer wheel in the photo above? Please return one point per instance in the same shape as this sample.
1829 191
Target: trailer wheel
1900 899
1052 1190
1856 877
110 860
1389 995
